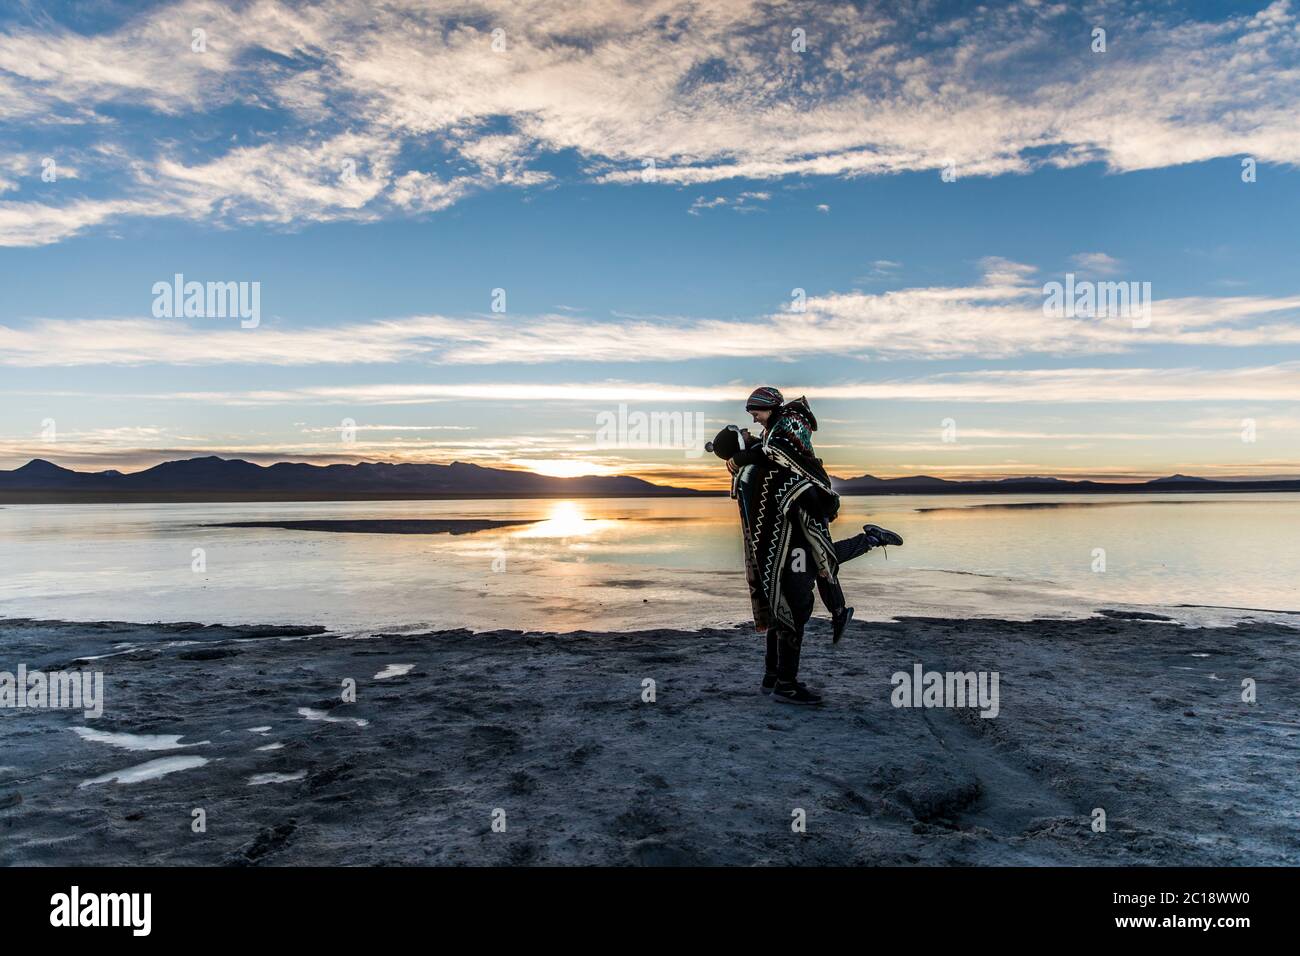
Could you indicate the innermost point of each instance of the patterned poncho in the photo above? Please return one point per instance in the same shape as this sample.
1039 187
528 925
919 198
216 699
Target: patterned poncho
786 502
788 442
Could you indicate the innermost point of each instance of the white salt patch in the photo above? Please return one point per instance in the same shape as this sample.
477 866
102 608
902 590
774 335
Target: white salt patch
99 657
366 635
394 670
41 842
148 771
260 778
274 746
259 730
312 714
135 741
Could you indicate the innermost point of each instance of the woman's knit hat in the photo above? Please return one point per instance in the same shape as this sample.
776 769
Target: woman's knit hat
765 396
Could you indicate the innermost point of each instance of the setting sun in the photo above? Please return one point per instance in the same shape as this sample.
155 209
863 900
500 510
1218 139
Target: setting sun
562 467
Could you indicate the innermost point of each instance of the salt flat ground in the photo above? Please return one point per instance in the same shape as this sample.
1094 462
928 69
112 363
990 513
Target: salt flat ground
1138 717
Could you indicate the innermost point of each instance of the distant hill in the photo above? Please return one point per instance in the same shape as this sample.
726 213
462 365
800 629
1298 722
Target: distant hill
924 484
1177 479
215 479
233 479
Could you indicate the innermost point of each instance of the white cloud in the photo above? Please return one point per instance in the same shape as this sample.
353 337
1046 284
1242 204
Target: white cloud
1096 263
332 178
40 224
710 92
702 203
335 429
425 192
1083 386
744 202
1001 316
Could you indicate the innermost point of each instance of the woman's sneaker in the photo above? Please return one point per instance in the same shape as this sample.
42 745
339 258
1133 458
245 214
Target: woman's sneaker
788 692
881 536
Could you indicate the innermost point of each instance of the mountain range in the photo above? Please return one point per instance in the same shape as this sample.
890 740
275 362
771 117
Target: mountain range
925 485
215 479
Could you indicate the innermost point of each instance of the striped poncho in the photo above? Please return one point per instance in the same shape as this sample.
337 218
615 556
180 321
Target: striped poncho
785 501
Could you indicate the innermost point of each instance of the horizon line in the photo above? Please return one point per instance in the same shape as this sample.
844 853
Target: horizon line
720 484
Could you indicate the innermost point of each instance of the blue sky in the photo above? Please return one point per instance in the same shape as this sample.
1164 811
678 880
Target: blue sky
379 175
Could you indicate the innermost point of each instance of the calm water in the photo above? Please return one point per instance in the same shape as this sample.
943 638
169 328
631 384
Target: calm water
640 563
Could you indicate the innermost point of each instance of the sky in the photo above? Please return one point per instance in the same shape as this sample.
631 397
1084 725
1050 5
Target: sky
478 230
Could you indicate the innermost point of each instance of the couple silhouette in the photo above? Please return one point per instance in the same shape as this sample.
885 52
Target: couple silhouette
786 507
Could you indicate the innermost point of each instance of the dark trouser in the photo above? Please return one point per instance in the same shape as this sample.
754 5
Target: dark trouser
832 594
783 644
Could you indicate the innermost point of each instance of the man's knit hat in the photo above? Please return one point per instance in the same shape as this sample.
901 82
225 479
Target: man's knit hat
764 396
726 443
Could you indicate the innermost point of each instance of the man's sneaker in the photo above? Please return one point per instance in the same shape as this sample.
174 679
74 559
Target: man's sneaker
794 693
769 682
881 536
839 621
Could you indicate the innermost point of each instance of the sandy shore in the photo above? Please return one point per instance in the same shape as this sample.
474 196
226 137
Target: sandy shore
1136 716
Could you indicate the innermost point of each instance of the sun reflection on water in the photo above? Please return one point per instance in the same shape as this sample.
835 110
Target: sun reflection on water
566 519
